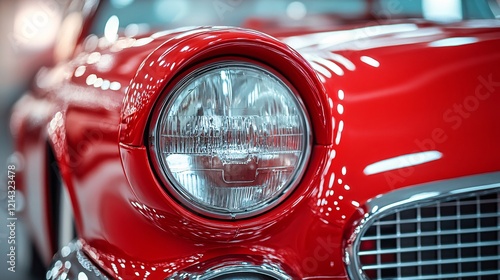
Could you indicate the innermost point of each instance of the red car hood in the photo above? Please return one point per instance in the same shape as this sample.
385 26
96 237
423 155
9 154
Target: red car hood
367 30
400 88
406 35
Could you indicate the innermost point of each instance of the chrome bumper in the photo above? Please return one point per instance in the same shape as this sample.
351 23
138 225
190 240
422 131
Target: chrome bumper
234 270
71 263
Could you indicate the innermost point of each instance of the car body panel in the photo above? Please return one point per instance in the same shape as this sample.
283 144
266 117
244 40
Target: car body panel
387 91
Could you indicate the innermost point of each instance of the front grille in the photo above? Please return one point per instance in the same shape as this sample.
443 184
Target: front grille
454 238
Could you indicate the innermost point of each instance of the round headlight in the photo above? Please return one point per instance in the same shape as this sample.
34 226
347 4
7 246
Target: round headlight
231 140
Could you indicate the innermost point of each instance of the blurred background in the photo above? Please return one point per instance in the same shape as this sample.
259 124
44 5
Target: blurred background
29 30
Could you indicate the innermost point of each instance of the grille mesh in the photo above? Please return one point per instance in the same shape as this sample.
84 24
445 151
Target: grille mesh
455 239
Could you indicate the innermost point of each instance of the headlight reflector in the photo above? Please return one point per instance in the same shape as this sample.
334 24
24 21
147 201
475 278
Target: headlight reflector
231 140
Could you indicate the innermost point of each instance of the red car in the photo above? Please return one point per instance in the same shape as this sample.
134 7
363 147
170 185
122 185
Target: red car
343 140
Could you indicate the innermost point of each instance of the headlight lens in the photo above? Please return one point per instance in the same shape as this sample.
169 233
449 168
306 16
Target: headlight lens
231 141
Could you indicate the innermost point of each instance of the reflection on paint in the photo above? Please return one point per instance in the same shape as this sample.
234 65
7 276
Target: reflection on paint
452 42
402 162
111 28
370 61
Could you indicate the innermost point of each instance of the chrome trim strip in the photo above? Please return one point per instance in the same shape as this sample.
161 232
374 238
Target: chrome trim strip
399 199
71 263
231 268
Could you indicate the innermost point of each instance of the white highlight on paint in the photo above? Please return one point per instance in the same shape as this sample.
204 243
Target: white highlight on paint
370 61
402 162
111 29
452 42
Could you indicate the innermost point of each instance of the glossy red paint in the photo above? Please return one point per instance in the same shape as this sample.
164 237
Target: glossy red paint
380 92
196 46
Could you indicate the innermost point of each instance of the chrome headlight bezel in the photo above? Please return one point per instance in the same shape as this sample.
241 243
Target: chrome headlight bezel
172 185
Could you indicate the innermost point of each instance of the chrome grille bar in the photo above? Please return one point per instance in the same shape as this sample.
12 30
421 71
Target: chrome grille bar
453 275
437 219
430 233
444 230
427 248
432 262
